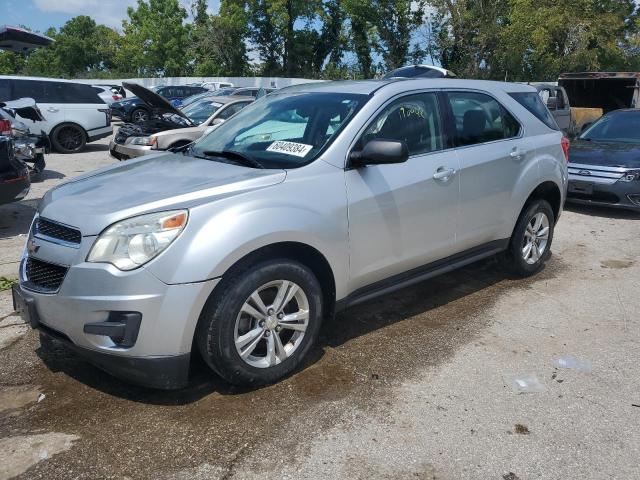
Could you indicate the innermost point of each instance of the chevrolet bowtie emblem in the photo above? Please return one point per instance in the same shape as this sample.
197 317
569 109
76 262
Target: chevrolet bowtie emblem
32 247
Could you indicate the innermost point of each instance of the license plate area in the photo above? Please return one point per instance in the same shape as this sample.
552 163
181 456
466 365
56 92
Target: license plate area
584 188
25 308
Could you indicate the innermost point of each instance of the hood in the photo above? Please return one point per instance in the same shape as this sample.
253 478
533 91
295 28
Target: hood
152 99
25 108
159 182
605 154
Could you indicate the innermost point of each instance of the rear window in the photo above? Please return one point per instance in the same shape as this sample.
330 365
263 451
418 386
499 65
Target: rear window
532 102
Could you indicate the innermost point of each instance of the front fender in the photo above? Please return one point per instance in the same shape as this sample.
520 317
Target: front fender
310 210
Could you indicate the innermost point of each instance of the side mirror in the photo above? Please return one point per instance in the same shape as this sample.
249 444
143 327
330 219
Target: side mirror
552 103
585 127
380 152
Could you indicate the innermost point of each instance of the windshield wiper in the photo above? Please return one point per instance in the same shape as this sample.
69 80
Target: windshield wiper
234 156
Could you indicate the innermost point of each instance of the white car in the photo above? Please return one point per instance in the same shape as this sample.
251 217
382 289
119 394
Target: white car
106 93
74 113
215 85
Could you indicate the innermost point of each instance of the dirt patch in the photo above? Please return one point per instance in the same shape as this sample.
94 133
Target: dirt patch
19 453
16 397
616 264
521 429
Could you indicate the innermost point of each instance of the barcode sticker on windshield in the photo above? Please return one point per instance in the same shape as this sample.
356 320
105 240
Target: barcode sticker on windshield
290 148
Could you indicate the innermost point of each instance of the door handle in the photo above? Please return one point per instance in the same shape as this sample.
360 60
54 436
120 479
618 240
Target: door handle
53 110
517 154
444 174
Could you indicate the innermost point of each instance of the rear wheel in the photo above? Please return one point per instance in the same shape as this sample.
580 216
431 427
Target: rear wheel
139 115
68 138
261 324
530 245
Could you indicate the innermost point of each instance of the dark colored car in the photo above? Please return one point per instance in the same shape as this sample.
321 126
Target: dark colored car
14 174
604 162
136 110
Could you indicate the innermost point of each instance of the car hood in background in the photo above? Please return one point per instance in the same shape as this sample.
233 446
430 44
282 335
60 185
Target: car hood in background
96 200
605 154
152 99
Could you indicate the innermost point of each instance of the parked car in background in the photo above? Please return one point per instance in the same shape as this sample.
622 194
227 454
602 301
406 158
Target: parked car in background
136 110
14 174
557 101
419 71
28 147
208 94
203 117
604 162
107 94
216 85
74 114
238 247
254 92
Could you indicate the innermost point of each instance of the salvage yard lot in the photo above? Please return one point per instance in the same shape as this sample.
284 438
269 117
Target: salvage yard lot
414 385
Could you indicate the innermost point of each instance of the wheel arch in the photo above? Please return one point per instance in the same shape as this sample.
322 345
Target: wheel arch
550 192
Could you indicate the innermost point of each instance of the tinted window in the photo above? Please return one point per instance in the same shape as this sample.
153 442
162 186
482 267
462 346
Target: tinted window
532 102
198 112
414 120
479 118
4 90
623 127
29 88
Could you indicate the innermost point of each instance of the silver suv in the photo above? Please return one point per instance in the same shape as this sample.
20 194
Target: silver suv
313 199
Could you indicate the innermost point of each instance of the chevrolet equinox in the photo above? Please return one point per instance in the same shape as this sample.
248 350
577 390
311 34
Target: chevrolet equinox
313 199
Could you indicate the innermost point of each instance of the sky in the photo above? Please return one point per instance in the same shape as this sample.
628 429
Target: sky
39 15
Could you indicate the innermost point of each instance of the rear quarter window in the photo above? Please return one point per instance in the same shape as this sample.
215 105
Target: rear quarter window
533 103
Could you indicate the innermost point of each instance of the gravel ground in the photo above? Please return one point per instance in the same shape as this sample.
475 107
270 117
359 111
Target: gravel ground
416 385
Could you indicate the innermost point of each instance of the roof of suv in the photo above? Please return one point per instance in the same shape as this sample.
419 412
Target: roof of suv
369 87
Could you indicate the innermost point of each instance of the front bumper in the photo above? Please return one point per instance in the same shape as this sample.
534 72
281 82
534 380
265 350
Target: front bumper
619 195
92 294
125 152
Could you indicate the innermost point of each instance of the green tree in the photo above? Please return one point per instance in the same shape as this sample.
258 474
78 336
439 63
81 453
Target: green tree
361 14
395 21
156 39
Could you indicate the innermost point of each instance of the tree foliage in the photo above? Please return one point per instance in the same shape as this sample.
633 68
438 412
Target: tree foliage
495 39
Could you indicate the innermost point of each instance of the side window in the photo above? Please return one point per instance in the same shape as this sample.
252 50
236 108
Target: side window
232 110
479 118
559 100
30 89
5 94
413 119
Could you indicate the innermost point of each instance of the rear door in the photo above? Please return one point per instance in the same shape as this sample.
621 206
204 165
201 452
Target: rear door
403 216
493 152
82 105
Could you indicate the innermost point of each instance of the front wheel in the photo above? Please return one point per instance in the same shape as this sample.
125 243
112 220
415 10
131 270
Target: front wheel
530 245
260 325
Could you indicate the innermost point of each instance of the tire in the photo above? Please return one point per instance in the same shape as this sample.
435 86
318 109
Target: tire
68 138
520 259
225 321
139 115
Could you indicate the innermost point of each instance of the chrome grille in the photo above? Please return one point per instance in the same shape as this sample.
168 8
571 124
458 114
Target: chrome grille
43 276
58 231
596 173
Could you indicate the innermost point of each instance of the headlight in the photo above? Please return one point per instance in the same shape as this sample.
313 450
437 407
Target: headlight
630 176
145 141
131 243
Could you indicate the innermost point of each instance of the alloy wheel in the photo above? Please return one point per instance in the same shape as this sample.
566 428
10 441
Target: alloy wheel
70 138
536 238
139 116
271 324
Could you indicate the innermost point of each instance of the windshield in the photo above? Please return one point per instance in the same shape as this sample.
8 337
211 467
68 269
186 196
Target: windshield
222 92
285 130
623 127
200 111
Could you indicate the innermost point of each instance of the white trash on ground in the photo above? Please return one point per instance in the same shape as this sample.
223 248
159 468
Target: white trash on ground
572 363
527 383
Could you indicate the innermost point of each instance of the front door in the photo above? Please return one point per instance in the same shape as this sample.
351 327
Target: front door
403 216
